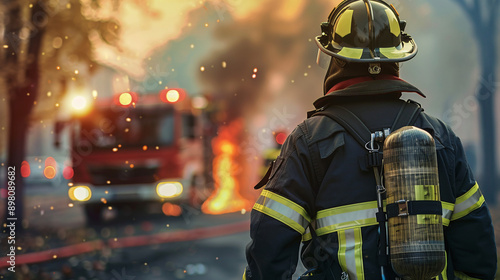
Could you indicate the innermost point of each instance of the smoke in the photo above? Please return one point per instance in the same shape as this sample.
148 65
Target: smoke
264 57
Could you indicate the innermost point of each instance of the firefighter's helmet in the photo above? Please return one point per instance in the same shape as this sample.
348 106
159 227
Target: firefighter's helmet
364 31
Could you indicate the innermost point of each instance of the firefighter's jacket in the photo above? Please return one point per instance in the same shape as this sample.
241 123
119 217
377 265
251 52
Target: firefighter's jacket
321 179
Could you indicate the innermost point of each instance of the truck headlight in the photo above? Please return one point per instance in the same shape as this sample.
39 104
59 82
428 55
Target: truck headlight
80 193
169 189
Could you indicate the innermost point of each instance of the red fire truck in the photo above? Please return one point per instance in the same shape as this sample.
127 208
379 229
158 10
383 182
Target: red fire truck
133 148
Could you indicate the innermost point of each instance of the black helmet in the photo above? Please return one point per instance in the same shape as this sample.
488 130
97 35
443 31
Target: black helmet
364 31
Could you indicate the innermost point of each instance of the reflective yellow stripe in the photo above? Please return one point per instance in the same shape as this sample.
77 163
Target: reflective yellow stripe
393 22
342 250
392 52
351 52
463 276
443 274
344 23
350 253
307 235
244 275
346 217
283 210
357 216
470 201
447 212
358 253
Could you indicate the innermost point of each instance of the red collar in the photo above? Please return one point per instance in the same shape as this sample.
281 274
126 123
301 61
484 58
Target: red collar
353 81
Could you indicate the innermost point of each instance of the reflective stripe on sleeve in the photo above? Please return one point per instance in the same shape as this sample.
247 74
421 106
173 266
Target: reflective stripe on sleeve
283 210
345 217
470 201
447 212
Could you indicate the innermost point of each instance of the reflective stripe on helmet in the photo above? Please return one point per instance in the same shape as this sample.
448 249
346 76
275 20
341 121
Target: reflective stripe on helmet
393 23
470 201
283 210
351 53
344 24
391 53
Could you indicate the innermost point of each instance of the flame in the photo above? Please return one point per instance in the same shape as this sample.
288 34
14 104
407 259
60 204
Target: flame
226 197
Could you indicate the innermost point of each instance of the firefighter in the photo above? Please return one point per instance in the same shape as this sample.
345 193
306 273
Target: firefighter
321 191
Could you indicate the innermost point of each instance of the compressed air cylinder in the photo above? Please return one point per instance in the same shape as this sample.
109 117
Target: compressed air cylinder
416 242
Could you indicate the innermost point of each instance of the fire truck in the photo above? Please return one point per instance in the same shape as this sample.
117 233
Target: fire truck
133 148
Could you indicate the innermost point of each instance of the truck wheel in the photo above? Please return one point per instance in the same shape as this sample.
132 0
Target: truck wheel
93 212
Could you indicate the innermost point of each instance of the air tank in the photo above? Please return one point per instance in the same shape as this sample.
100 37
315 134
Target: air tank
416 242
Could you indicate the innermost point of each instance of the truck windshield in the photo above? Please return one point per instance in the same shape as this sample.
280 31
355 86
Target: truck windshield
126 129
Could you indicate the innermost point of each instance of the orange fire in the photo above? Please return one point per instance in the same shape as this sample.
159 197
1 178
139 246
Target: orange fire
226 197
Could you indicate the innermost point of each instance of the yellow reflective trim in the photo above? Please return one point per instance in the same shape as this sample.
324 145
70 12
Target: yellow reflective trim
392 52
283 210
351 52
244 275
346 217
443 274
285 201
358 253
346 209
468 194
350 253
346 226
342 249
447 212
393 21
280 217
343 26
468 202
462 276
307 235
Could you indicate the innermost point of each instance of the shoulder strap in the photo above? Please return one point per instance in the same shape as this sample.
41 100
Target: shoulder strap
349 121
407 115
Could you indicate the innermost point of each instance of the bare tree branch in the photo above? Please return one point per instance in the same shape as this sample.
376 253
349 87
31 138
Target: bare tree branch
473 11
493 10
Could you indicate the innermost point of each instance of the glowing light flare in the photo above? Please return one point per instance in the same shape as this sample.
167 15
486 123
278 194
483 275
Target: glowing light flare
49 172
169 189
126 99
80 193
170 209
68 172
226 197
80 104
280 138
50 168
25 169
172 95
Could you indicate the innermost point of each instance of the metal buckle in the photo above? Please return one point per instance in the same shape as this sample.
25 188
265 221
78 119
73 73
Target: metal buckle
403 208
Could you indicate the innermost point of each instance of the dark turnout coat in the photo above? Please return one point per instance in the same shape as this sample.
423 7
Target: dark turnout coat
321 179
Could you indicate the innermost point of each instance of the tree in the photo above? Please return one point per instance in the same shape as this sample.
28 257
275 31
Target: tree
484 20
30 48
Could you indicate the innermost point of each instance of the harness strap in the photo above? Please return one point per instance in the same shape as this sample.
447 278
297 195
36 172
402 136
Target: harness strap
407 115
414 207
